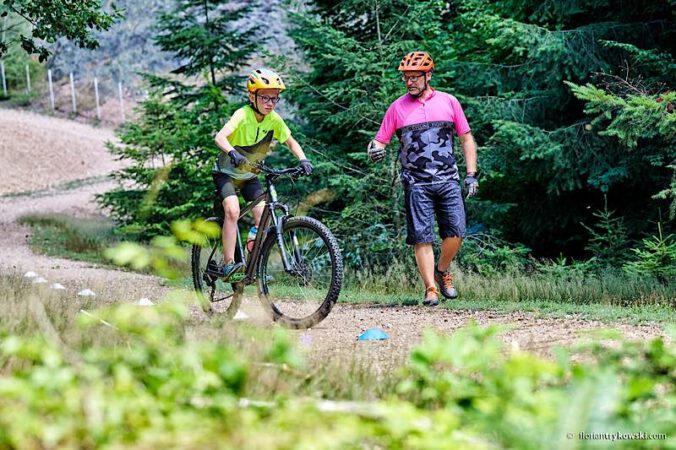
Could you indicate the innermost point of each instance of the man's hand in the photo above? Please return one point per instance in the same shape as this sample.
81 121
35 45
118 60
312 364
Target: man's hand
306 165
376 153
471 186
236 158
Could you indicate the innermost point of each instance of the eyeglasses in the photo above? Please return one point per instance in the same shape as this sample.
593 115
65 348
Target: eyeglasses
411 78
268 99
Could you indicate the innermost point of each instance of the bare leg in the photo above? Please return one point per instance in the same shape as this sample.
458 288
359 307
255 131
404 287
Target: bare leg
449 248
258 212
231 207
424 256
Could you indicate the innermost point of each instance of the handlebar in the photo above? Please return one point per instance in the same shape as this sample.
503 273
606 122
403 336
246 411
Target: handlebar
292 172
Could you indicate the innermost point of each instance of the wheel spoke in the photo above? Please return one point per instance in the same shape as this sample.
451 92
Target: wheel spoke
210 289
304 294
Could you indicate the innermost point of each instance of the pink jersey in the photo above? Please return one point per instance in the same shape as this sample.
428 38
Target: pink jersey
425 133
407 110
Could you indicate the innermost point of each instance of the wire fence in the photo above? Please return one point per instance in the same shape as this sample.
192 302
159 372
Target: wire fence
90 97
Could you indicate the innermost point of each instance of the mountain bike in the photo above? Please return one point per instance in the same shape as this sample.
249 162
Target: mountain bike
295 263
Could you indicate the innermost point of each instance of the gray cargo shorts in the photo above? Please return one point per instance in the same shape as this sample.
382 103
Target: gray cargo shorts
425 201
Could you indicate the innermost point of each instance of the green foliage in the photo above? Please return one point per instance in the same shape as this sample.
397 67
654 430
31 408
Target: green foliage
563 269
525 402
49 20
632 118
171 150
15 61
499 275
670 192
200 35
165 253
656 257
608 242
488 254
138 378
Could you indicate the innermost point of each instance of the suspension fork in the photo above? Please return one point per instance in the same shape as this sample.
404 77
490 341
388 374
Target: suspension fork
270 222
279 226
289 267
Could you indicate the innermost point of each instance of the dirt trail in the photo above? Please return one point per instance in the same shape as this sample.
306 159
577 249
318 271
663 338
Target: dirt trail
40 155
38 152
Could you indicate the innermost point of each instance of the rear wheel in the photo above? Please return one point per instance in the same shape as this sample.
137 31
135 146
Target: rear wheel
213 294
304 295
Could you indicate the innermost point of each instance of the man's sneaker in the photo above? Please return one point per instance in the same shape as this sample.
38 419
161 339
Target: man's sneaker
224 270
445 281
431 296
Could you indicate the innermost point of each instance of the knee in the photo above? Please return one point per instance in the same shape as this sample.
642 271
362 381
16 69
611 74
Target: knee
231 212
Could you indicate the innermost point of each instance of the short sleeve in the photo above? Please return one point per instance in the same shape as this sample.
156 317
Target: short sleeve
388 126
235 120
461 125
281 131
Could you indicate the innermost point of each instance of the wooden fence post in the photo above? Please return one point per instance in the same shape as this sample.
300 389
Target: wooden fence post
119 90
96 94
28 80
51 88
72 90
4 82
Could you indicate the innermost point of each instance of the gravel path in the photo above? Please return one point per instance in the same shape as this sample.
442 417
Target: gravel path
39 154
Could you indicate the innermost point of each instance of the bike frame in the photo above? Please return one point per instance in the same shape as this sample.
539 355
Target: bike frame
270 222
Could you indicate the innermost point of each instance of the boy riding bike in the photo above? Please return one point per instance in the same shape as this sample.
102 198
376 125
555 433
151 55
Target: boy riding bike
245 140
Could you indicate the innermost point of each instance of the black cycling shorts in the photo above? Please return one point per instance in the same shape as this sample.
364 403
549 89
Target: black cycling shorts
226 186
424 201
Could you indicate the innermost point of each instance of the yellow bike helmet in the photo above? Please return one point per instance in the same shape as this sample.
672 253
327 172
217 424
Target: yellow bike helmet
264 79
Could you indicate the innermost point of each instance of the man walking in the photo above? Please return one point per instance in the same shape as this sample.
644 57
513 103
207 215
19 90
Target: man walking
424 120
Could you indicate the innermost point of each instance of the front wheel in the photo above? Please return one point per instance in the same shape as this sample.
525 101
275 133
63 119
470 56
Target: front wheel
302 295
212 291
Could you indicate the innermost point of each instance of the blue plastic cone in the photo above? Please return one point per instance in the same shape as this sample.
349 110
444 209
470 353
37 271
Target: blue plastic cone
373 334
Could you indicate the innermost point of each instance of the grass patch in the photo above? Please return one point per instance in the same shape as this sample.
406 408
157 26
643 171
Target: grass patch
81 239
609 296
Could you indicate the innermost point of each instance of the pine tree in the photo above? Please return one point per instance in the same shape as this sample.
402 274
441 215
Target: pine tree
538 142
204 36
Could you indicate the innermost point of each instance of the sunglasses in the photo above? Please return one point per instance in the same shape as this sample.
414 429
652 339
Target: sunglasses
268 99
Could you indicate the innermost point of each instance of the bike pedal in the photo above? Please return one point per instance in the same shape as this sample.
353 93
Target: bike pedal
237 277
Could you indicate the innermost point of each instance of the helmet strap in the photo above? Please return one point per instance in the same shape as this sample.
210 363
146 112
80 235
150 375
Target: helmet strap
254 104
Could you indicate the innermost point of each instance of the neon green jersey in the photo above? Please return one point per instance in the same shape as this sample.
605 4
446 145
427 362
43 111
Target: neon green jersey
250 138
